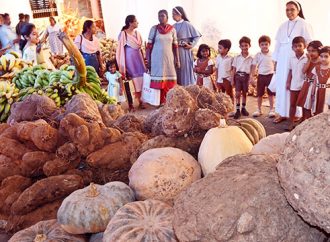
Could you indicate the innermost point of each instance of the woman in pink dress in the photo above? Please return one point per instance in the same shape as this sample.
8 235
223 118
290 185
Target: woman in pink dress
129 56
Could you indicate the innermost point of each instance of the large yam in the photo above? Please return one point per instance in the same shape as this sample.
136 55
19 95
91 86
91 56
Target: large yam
12 148
59 166
33 162
9 186
241 201
45 212
118 154
3 127
85 107
24 129
304 170
45 138
32 108
45 191
162 173
152 123
8 167
129 123
10 133
207 119
68 151
178 98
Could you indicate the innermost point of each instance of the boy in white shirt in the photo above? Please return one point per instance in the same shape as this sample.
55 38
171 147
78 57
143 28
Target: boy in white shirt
241 73
296 76
263 61
224 67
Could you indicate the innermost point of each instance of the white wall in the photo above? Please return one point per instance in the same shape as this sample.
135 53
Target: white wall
220 19
214 18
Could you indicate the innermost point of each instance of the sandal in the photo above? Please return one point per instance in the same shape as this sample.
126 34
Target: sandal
279 119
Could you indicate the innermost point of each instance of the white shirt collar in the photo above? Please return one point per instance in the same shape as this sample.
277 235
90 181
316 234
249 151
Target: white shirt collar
295 20
181 21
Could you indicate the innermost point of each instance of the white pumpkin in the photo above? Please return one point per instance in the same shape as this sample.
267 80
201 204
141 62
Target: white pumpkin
272 144
90 209
162 173
220 143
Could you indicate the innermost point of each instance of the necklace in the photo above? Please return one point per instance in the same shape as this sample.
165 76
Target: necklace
326 73
287 30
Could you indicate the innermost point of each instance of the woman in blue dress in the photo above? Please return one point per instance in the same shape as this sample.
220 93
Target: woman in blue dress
188 37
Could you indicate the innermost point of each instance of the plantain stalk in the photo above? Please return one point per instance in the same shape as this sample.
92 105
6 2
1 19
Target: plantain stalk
78 60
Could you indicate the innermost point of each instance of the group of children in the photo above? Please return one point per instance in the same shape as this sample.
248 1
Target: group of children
309 74
307 80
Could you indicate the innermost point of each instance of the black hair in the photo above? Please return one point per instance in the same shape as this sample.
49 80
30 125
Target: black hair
182 13
26 16
226 43
129 19
201 48
87 25
298 39
5 15
111 63
21 16
298 5
52 18
315 44
264 38
25 31
325 49
164 12
245 39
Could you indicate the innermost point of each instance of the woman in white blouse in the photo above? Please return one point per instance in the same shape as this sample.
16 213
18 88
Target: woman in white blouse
56 46
89 46
293 27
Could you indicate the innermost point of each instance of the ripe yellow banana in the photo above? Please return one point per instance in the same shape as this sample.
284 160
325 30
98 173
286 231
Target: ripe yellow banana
3 61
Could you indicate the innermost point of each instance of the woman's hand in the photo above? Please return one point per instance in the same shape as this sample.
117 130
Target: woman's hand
177 64
187 46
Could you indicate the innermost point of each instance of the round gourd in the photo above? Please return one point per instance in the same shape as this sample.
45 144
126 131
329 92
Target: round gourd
162 173
257 125
147 221
89 210
272 144
220 143
45 231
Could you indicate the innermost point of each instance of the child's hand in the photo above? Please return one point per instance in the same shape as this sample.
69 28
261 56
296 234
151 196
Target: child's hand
288 86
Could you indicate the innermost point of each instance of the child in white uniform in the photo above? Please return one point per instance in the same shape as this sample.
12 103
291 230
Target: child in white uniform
115 85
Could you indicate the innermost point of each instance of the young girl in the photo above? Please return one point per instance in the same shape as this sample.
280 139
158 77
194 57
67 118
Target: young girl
116 85
29 44
308 88
204 67
322 80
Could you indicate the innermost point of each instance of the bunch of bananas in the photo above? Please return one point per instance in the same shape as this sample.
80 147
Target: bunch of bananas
10 65
8 95
36 76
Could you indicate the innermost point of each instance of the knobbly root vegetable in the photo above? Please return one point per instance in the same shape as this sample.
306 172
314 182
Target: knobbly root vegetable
45 191
207 119
9 167
117 155
59 166
12 148
10 186
33 162
45 212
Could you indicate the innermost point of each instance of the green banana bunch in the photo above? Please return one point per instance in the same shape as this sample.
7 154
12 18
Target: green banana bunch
8 95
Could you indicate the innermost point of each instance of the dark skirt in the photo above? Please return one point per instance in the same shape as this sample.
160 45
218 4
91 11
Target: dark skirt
92 60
